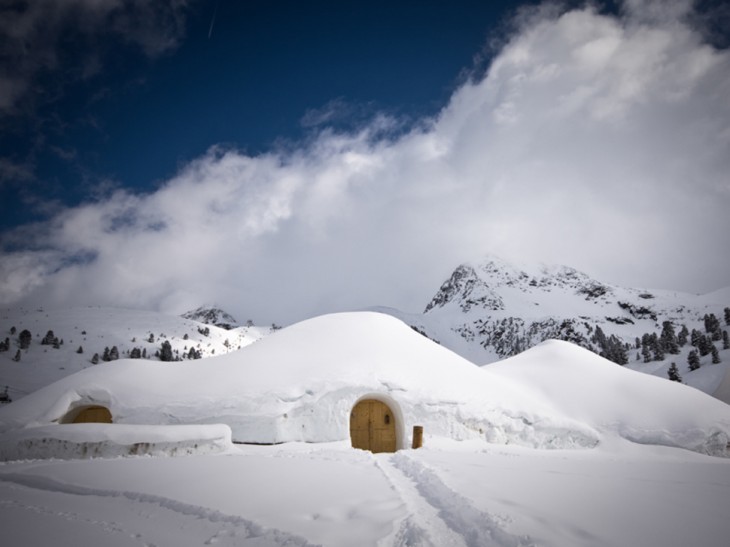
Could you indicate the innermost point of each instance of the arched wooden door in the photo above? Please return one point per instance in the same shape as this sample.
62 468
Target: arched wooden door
372 426
93 414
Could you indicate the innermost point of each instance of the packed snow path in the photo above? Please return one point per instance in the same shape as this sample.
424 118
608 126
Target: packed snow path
438 516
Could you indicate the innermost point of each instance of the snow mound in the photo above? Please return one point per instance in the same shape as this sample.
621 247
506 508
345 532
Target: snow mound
615 400
301 383
80 441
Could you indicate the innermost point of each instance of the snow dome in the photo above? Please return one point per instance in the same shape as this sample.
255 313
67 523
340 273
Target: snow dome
322 379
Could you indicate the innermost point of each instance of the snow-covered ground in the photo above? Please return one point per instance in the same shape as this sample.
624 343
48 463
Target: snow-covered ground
555 446
461 494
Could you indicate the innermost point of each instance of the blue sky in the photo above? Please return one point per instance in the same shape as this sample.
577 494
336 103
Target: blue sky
290 159
250 74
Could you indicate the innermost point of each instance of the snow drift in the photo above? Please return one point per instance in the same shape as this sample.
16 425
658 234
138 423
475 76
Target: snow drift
301 384
79 441
615 400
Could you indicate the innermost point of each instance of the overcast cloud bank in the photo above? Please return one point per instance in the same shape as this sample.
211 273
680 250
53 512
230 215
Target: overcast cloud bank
593 140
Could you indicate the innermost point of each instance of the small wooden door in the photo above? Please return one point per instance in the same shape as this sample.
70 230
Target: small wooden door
372 426
93 414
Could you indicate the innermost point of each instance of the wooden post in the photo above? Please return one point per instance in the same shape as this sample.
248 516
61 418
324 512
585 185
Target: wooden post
417 436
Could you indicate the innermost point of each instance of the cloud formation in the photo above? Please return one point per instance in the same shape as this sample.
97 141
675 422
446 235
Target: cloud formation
593 140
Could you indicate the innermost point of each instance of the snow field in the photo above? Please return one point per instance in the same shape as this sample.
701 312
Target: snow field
449 493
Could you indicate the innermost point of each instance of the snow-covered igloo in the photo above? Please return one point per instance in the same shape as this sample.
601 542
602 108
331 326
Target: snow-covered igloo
304 382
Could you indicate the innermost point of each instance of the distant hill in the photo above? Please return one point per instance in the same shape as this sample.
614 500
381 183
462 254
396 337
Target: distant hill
78 334
212 315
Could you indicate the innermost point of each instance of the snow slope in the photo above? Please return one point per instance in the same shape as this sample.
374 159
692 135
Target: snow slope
95 328
638 407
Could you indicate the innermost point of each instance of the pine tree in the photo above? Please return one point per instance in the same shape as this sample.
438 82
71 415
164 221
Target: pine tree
715 354
113 353
166 351
725 340
151 338
80 350
695 337
106 357
95 359
48 339
727 316
17 356
682 336
24 338
673 373
704 345
658 352
693 360
669 339
646 354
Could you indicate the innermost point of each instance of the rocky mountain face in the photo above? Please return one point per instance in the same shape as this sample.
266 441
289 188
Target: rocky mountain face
490 310
212 315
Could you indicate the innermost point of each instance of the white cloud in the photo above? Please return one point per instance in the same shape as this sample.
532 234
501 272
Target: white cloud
595 141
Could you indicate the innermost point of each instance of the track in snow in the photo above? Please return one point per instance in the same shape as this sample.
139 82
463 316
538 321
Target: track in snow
438 516
74 515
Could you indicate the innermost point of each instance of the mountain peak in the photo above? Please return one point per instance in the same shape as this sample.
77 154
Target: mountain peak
212 315
482 284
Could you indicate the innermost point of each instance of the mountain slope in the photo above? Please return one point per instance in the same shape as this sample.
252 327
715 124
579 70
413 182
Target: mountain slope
491 310
94 329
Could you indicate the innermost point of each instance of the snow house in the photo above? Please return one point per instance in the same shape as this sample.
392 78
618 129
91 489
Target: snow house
366 379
